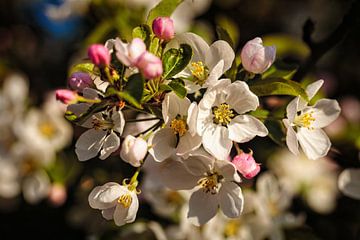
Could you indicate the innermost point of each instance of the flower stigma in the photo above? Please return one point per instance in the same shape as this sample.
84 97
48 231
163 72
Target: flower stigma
210 183
179 126
125 200
304 120
199 71
223 114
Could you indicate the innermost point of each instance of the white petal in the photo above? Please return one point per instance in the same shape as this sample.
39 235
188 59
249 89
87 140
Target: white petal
108 213
89 144
118 120
199 163
231 199
349 182
291 139
188 143
111 144
120 214
163 143
192 118
243 128
105 196
216 141
240 98
227 170
214 75
220 50
122 52
291 109
315 143
325 111
173 106
202 207
313 88
131 216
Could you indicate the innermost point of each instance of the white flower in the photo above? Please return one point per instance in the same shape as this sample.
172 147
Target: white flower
115 201
133 150
221 117
214 182
349 182
207 63
179 134
102 136
308 121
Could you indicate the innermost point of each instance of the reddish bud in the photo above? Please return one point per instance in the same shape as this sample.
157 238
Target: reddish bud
66 96
99 55
150 65
163 28
246 165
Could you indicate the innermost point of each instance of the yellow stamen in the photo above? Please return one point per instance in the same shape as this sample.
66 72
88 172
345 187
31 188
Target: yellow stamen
223 114
199 71
304 120
210 183
231 228
125 200
47 129
179 126
100 124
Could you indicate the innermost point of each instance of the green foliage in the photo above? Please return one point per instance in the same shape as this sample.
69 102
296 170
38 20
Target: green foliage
175 60
143 32
222 34
280 70
163 9
287 45
135 86
176 85
82 67
277 86
276 132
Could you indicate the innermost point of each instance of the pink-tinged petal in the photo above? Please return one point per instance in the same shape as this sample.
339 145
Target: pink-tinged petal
108 213
313 88
231 200
136 49
89 144
315 143
216 141
240 98
243 128
111 144
325 111
122 52
105 196
220 50
349 182
202 207
187 144
162 143
246 165
291 139
163 28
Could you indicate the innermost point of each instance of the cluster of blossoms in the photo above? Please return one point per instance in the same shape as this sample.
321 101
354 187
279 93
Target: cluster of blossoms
197 114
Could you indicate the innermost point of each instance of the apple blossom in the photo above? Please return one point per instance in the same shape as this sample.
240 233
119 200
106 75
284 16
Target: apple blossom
129 53
133 150
163 28
150 65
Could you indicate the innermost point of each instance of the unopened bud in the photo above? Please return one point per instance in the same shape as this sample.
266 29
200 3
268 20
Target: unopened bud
99 55
163 28
57 194
80 80
256 58
246 165
66 96
150 65
133 150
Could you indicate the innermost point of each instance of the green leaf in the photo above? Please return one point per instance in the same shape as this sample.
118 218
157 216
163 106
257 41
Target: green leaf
96 107
175 60
135 86
287 45
280 70
82 67
155 46
163 9
276 132
130 99
177 86
277 86
143 32
260 113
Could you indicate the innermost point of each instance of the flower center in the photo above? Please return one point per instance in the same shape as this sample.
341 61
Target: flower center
304 120
231 228
179 126
210 183
47 129
199 71
223 114
101 124
125 200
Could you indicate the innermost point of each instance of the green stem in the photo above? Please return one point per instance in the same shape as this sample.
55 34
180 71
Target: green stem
142 119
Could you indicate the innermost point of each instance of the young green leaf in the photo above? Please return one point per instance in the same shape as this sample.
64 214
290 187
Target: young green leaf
143 32
175 60
280 70
82 67
277 86
163 9
177 86
135 86
276 132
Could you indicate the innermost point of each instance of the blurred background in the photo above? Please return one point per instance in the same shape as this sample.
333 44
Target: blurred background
44 188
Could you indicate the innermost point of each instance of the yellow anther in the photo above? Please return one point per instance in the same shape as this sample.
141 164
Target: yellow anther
231 228
199 71
210 183
47 129
304 120
125 200
179 126
223 114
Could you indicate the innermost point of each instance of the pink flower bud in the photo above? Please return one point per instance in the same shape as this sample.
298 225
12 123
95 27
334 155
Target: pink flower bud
133 150
163 28
256 58
246 165
57 194
80 80
99 55
66 96
150 65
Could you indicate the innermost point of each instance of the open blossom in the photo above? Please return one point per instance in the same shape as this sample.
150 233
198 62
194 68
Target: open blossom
99 55
133 150
256 58
129 53
102 137
222 119
116 202
179 134
304 123
163 28
207 64
246 165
